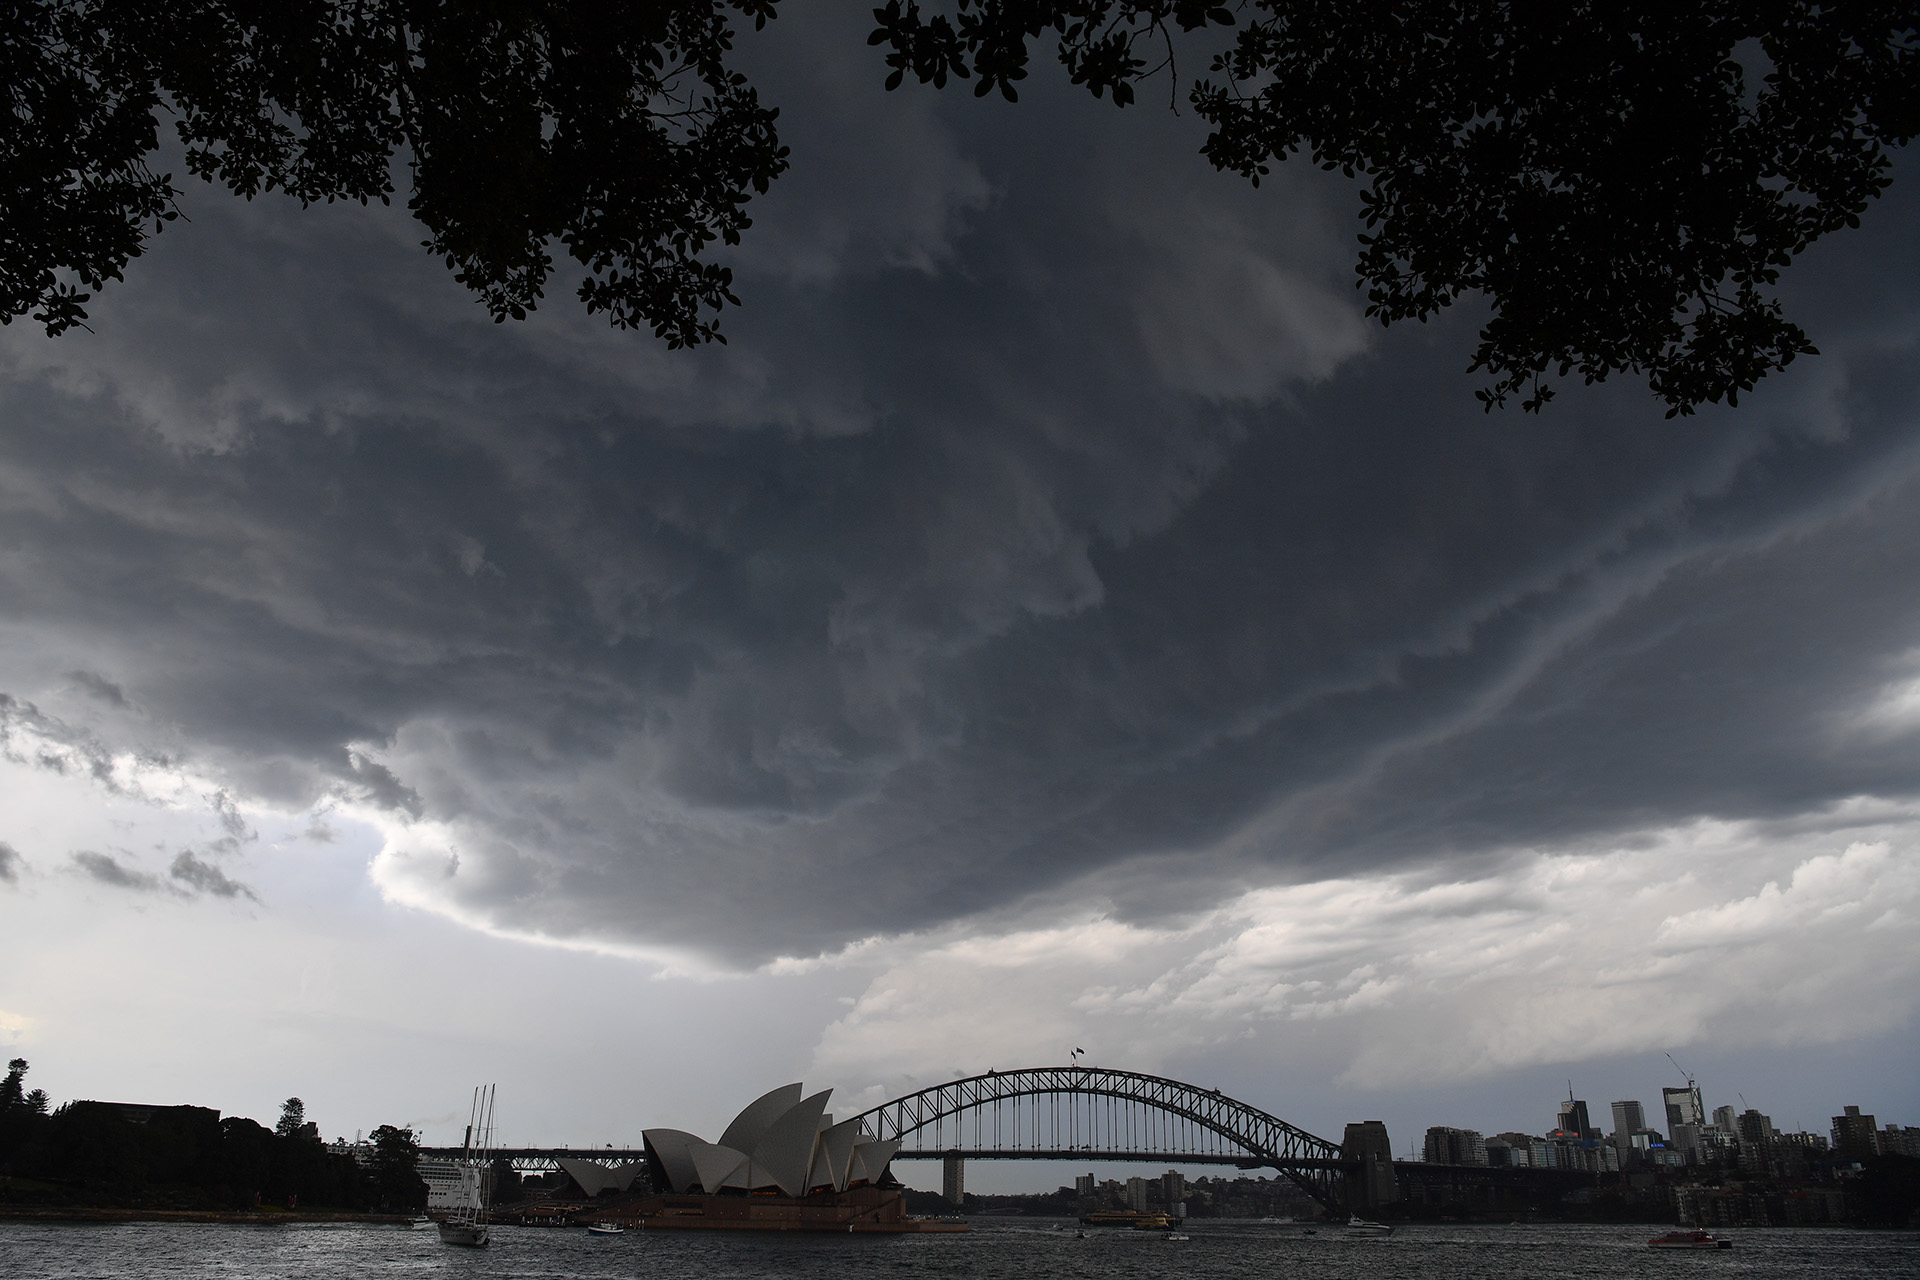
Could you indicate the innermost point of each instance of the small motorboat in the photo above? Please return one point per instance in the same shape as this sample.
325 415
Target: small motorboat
420 1222
606 1229
1358 1226
1176 1235
1695 1239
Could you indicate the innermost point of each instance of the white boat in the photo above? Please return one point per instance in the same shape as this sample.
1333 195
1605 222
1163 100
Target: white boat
466 1223
1358 1226
606 1229
420 1222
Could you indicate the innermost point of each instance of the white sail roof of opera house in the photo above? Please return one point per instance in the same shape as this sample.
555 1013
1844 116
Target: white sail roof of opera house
780 1140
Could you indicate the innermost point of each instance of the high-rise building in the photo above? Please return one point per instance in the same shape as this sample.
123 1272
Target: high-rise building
1895 1141
1573 1117
1754 1127
1629 1118
1853 1135
1683 1106
1173 1187
1137 1194
1083 1186
1447 1145
1723 1120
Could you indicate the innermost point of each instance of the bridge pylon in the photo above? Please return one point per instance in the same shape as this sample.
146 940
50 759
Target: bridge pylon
953 1179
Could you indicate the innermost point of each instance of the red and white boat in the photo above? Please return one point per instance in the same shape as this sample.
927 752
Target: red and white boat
1688 1240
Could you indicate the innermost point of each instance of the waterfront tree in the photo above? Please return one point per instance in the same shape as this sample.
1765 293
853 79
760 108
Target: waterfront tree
293 1122
395 1170
10 1088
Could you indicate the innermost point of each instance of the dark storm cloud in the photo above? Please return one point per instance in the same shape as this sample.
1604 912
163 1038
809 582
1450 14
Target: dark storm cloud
11 863
99 686
187 876
197 876
1051 516
108 870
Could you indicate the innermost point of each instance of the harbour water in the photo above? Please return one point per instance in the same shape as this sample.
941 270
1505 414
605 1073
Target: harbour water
993 1250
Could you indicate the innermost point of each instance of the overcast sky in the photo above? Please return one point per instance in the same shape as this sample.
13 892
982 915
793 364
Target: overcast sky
1057 618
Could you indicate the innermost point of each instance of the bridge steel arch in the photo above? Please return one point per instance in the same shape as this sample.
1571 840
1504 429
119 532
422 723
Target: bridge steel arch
1109 1113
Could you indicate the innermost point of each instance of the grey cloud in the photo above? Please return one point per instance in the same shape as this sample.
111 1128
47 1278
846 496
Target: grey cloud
879 181
99 686
378 785
11 863
109 871
230 820
203 877
1041 561
30 735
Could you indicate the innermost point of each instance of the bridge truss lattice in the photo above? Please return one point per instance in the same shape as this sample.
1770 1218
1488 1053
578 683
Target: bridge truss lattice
1096 1113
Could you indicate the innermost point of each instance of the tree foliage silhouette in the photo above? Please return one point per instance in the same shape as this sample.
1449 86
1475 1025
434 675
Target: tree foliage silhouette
12 1086
394 1170
616 130
1623 180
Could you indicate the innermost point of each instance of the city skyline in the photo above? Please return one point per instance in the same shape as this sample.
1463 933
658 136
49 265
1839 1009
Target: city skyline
1058 619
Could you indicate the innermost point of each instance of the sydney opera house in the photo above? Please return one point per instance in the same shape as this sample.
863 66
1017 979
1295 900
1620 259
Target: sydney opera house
782 1165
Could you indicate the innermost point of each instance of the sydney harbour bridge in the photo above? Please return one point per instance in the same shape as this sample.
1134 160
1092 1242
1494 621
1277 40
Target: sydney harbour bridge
1088 1113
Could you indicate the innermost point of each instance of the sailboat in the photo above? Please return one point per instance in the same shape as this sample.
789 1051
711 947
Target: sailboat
467 1223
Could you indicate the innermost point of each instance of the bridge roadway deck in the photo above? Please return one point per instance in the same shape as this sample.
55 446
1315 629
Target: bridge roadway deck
546 1157
1242 1161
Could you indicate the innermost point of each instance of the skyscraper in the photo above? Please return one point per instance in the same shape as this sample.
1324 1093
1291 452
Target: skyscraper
1754 1127
1447 1145
1723 1120
1629 1118
1683 1106
1573 1116
1853 1135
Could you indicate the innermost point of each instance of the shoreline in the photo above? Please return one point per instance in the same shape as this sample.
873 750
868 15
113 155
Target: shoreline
240 1217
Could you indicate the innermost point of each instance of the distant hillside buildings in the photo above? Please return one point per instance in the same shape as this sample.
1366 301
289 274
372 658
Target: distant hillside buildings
1742 1140
1455 1146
